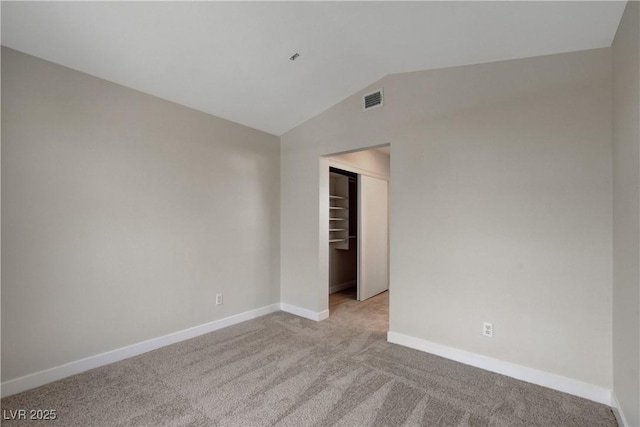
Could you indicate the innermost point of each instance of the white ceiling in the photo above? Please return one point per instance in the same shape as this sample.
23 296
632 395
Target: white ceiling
231 59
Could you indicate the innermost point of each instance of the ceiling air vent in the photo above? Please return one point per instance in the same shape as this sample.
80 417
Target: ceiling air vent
372 100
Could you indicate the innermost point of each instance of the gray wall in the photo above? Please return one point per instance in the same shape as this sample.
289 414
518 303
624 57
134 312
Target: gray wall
123 215
626 213
501 207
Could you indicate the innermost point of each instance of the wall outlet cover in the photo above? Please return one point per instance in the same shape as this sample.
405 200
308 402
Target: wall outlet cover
487 329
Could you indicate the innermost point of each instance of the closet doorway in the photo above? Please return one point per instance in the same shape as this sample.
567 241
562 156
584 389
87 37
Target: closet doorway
359 224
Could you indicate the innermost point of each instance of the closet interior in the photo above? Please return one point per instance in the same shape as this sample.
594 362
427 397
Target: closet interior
343 230
359 223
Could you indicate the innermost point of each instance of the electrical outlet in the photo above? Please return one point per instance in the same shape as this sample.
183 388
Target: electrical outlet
487 329
218 299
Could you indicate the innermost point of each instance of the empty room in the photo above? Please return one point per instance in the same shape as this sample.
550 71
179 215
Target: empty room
375 213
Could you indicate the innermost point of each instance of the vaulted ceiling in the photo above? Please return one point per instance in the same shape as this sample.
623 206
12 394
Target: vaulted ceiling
231 59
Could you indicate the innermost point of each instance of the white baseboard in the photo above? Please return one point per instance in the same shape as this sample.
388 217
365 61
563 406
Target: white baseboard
342 286
617 411
303 312
535 376
53 374
323 315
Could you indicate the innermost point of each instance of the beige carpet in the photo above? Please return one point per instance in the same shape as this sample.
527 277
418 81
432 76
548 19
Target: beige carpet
288 371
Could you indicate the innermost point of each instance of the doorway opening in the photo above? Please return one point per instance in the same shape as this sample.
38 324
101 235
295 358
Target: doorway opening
358 225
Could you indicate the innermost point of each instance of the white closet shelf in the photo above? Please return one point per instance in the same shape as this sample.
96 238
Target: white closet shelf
338 211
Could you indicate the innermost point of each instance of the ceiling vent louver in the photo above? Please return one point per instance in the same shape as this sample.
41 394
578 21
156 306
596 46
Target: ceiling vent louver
372 100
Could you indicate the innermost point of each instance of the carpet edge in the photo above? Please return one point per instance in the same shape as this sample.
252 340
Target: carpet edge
535 376
46 376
